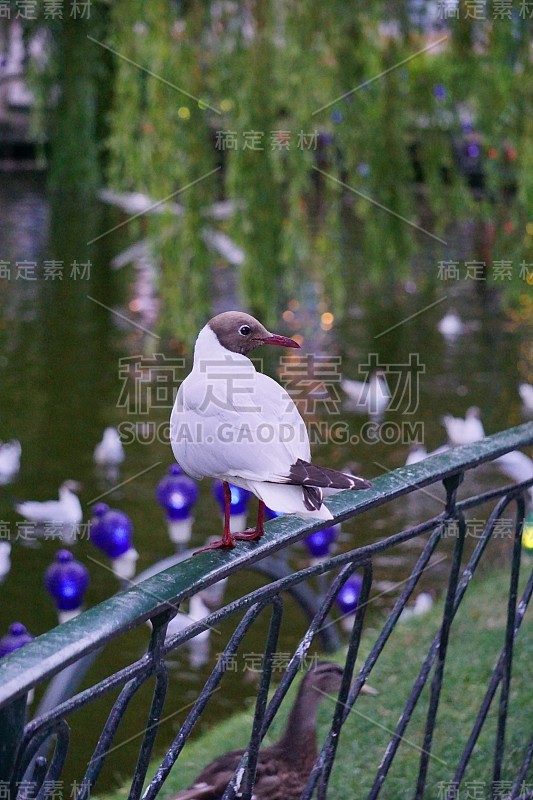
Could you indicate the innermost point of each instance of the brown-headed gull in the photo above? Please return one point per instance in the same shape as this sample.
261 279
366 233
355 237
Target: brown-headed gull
233 423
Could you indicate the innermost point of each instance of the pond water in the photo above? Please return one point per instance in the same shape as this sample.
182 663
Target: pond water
62 382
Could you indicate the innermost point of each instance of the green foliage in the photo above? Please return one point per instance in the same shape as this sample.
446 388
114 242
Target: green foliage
361 78
65 87
253 174
476 638
160 144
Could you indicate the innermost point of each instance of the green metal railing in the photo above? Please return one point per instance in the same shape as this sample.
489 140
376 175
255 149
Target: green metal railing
158 597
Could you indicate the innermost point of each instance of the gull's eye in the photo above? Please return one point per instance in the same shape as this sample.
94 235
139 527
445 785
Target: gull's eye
245 330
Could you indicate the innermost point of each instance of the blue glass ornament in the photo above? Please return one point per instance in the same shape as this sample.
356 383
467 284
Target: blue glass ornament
271 514
319 543
17 636
239 497
177 493
348 597
66 580
111 530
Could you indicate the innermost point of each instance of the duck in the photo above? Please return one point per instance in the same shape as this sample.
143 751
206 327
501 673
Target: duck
368 397
9 460
526 393
65 512
283 768
451 325
464 431
109 452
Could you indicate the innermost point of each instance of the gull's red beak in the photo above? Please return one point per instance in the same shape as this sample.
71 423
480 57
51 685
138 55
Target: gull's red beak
281 341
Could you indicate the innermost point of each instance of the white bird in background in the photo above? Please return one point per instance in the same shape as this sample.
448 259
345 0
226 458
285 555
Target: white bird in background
423 603
451 325
197 611
109 452
464 431
233 423
5 561
9 460
526 393
65 512
417 452
200 606
368 397
517 466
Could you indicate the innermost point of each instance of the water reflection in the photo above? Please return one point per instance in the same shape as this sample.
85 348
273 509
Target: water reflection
60 385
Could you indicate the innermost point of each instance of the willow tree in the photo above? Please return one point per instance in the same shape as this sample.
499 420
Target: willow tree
161 144
66 80
252 175
386 101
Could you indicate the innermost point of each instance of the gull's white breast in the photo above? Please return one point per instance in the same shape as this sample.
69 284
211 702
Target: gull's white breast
230 421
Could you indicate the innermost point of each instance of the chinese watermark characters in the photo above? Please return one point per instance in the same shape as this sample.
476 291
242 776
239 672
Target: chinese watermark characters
48 270
280 140
45 9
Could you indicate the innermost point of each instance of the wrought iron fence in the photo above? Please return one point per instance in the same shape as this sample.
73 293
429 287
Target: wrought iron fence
23 744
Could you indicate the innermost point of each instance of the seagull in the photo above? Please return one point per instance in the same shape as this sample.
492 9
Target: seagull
451 325
417 452
109 452
197 611
464 431
424 602
368 397
240 426
5 561
518 466
526 393
66 511
9 460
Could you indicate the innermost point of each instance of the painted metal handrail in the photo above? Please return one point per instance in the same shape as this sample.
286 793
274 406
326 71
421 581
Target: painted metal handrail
158 597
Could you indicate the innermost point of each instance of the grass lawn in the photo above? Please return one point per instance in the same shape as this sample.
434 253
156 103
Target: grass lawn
475 641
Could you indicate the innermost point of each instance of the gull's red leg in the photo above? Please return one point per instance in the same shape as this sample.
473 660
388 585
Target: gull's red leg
260 527
250 536
228 540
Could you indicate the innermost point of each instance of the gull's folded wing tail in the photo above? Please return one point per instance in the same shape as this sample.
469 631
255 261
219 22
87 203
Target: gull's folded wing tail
303 473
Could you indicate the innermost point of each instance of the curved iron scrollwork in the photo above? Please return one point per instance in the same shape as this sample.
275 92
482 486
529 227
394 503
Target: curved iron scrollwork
31 769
